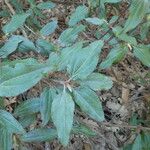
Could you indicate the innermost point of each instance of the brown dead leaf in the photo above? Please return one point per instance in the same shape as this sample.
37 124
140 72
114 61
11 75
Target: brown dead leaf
147 97
86 146
90 123
125 94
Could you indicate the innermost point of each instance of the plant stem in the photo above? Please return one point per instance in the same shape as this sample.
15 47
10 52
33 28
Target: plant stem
139 127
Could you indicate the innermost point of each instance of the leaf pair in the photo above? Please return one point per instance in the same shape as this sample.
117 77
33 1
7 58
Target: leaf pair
22 44
63 106
22 76
60 108
48 134
142 52
48 105
16 42
81 62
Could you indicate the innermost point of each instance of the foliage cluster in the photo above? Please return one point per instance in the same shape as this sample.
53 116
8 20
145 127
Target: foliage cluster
77 59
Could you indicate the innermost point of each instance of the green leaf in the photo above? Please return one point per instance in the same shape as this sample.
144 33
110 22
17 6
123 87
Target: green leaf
28 107
133 120
68 36
44 47
140 143
49 28
39 135
137 145
115 55
5 139
2 104
142 52
4 13
123 36
46 99
10 123
97 81
27 120
10 46
28 61
32 2
83 61
16 22
89 102
21 77
67 52
38 13
80 13
26 45
137 11
33 21
16 42
46 5
82 129
17 5
127 147
145 141
144 32
93 3
128 39
95 21
113 20
62 116
106 37
54 60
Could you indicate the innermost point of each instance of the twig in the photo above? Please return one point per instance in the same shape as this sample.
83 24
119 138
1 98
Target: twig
105 33
30 30
10 7
107 141
46 82
126 126
58 81
65 3
110 27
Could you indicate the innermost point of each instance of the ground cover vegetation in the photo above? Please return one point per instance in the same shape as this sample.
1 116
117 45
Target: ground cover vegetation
61 63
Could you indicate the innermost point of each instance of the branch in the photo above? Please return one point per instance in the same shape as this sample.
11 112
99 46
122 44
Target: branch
139 127
65 3
10 7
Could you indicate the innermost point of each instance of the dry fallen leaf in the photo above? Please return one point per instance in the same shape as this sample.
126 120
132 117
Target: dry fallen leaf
125 94
86 146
